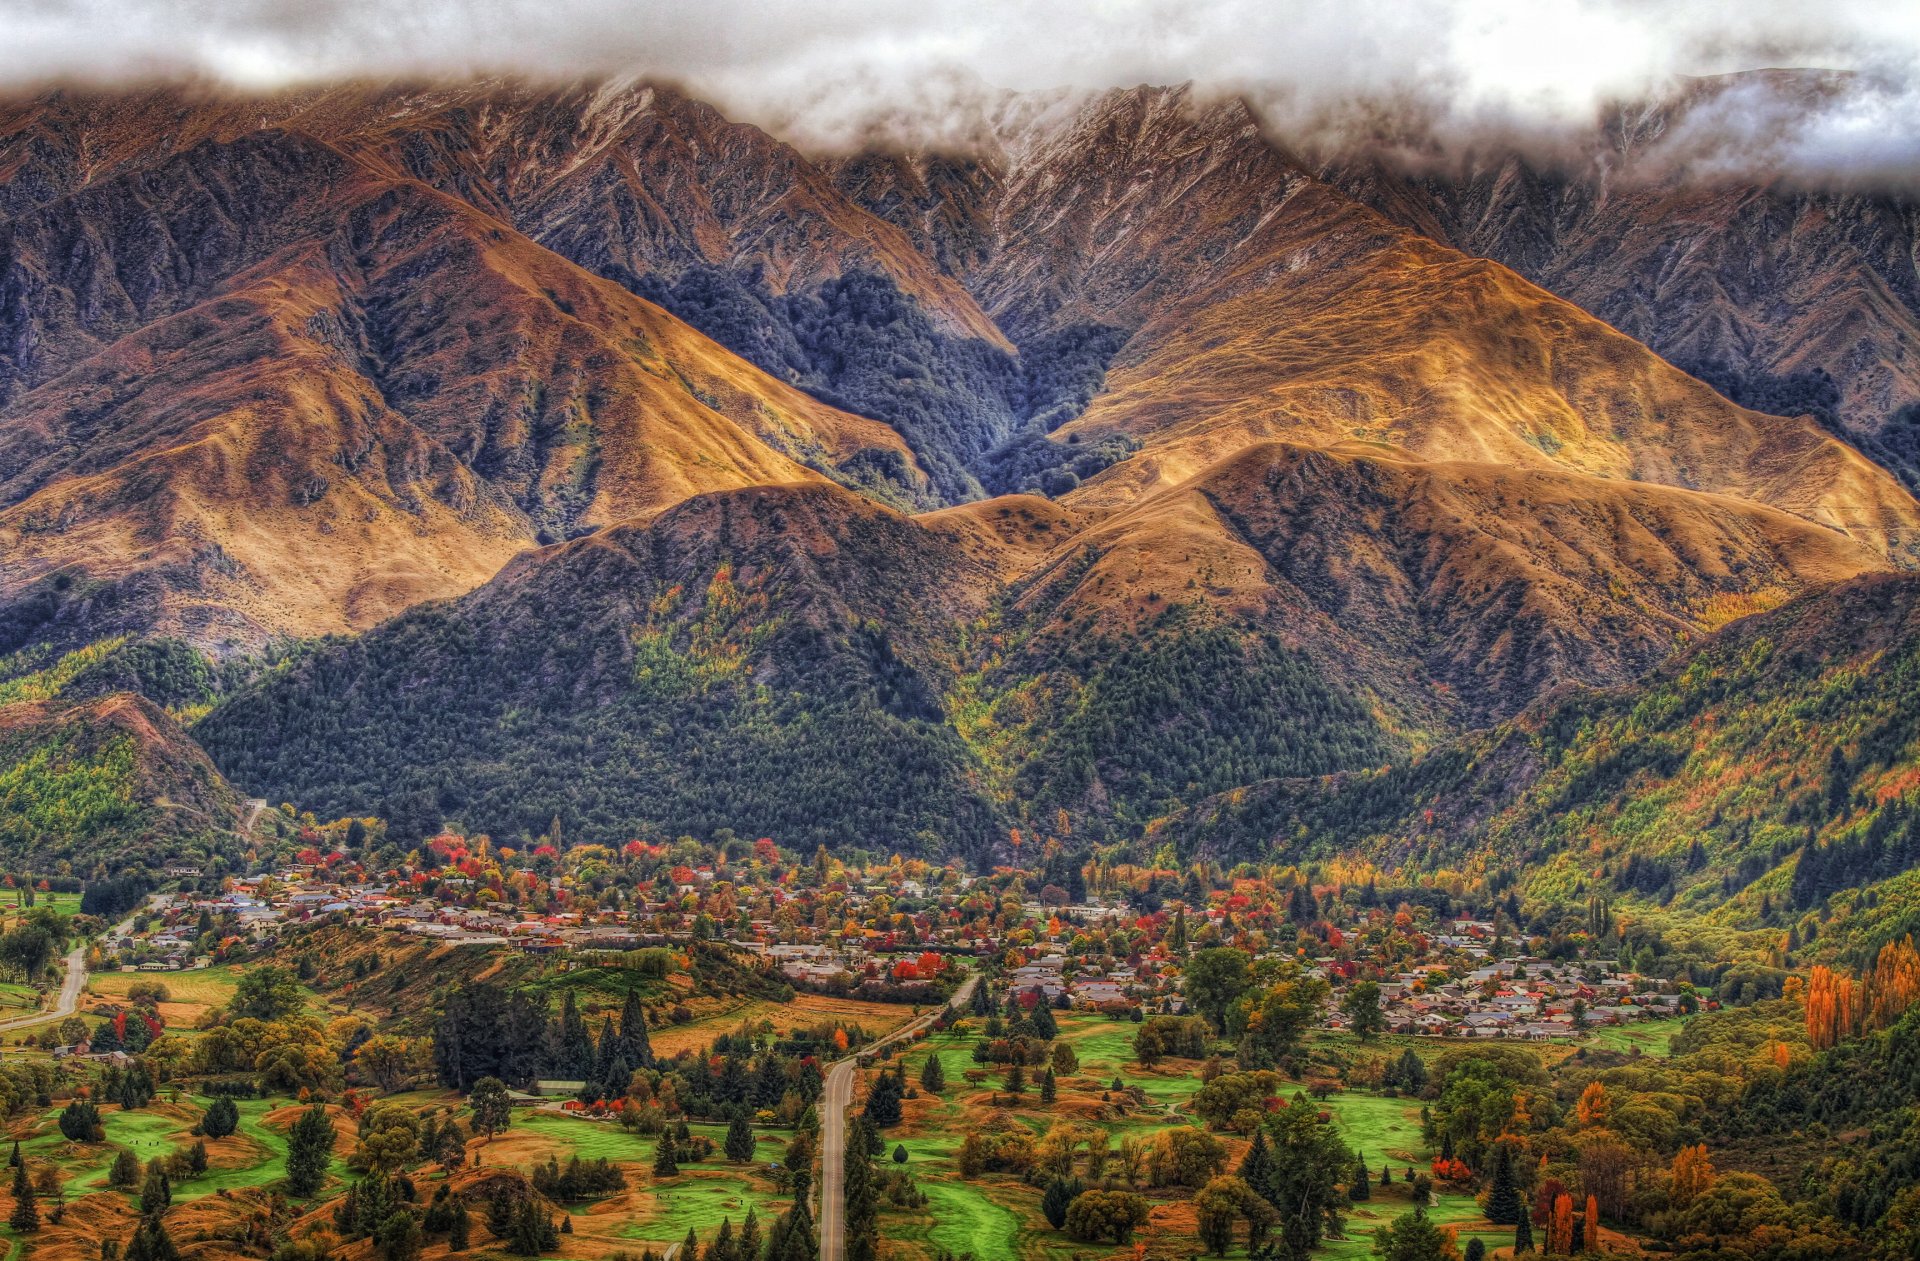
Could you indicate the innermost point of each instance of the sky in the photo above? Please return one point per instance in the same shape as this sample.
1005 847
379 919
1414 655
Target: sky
1447 74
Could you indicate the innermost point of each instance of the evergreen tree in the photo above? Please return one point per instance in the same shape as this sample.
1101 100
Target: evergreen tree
1504 1206
883 1101
150 1242
1362 1185
723 1247
634 1043
1256 1168
1048 1090
492 1106
750 1236
689 1247
125 1170
156 1193
572 1051
861 1194
26 1213
1523 1235
309 1151
666 1157
739 1144
606 1048
1053 1203
933 1074
397 1237
222 1118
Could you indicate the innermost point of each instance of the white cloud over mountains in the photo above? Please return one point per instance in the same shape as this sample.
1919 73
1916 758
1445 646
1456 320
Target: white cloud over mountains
1445 74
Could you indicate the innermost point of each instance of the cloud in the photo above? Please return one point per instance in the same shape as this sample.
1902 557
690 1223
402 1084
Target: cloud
1446 73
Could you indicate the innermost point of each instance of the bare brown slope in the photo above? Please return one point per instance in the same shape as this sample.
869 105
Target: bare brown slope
1453 592
1378 336
273 391
1009 534
1789 298
623 178
1262 304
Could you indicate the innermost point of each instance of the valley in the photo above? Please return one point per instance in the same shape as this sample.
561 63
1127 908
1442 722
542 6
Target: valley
585 673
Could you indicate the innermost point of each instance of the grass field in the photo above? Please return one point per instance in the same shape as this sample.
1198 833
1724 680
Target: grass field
998 1216
649 1211
18 999
1387 1131
805 1009
1650 1037
190 994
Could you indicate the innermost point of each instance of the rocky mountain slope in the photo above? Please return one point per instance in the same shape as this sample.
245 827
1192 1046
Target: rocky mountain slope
260 389
601 421
1788 299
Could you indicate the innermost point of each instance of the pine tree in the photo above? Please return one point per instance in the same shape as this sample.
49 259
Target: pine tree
151 1242
125 1170
1362 1185
1048 1091
309 1151
883 1101
1256 1169
1523 1235
750 1236
666 1158
861 1194
723 1247
739 1144
1053 1203
222 1118
156 1193
689 1247
26 1214
634 1043
933 1075
1504 1206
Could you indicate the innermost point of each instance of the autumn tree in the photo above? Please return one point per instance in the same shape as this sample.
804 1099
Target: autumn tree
1692 1175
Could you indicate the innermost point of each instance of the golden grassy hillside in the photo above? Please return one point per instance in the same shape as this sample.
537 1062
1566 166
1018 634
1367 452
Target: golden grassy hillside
1340 328
378 402
1460 590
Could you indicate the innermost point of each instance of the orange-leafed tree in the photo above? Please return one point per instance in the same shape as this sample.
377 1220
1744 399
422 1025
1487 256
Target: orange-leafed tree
1692 1175
1592 1220
1895 984
1594 1107
1560 1226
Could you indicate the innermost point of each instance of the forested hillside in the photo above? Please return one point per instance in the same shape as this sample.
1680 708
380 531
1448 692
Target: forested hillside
1764 776
107 781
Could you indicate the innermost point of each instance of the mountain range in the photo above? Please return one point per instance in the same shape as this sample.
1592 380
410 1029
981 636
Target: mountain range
496 453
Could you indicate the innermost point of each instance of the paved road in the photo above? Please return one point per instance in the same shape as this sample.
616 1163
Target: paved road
833 1127
70 988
